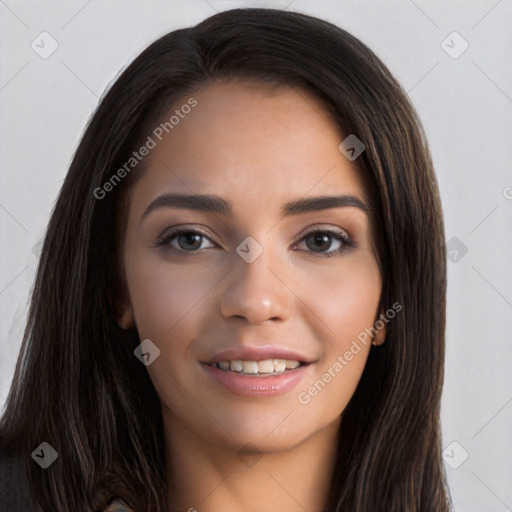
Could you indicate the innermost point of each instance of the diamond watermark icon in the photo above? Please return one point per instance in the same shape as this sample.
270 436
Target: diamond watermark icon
36 250
147 352
249 455
454 45
45 455
456 249
351 147
44 45
249 249
455 455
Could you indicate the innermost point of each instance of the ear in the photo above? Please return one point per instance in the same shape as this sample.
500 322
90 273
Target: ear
380 325
121 308
126 320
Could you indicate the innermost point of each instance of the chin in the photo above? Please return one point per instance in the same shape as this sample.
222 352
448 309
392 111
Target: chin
270 428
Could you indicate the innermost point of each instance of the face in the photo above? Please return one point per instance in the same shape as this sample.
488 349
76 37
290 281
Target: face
254 300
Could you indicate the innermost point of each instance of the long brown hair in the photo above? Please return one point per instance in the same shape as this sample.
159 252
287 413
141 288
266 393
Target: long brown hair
77 384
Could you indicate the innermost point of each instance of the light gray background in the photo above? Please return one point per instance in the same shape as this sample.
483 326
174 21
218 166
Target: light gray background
465 104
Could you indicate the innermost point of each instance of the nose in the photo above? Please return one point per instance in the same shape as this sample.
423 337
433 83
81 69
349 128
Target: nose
256 291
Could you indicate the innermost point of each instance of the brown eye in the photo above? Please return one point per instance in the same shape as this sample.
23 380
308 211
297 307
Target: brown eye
319 241
188 240
322 241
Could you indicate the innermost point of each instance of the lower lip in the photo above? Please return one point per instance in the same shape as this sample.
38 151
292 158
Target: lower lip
254 385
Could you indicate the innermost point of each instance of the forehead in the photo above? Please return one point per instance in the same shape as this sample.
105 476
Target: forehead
255 144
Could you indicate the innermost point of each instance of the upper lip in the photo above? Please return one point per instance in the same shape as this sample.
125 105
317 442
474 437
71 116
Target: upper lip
259 353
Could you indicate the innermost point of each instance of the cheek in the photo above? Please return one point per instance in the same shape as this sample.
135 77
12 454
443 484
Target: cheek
346 306
345 299
166 298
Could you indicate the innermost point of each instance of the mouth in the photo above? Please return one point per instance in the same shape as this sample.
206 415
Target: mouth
258 371
265 378
262 368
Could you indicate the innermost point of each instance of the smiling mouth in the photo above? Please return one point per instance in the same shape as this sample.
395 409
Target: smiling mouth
263 368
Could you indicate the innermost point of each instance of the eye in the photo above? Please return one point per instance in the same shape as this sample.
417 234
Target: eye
188 239
321 239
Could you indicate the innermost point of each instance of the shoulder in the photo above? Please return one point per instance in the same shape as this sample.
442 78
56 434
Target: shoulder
118 505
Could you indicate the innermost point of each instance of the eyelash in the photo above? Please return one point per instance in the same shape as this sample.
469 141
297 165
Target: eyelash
346 241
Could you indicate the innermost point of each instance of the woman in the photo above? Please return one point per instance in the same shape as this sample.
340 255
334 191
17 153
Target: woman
291 360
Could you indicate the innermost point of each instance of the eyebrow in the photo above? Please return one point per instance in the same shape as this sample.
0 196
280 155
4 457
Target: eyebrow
216 204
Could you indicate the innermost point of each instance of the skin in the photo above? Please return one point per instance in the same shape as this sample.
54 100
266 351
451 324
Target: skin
258 147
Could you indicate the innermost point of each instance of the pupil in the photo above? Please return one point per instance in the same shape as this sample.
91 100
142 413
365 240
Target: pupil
189 236
322 239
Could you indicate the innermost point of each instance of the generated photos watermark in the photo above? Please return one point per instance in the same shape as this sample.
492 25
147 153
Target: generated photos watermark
137 156
305 397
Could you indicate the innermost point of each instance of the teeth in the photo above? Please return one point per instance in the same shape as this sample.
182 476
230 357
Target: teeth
250 367
265 367
235 366
279 365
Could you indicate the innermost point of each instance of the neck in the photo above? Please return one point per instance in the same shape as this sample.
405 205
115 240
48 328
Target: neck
204 476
